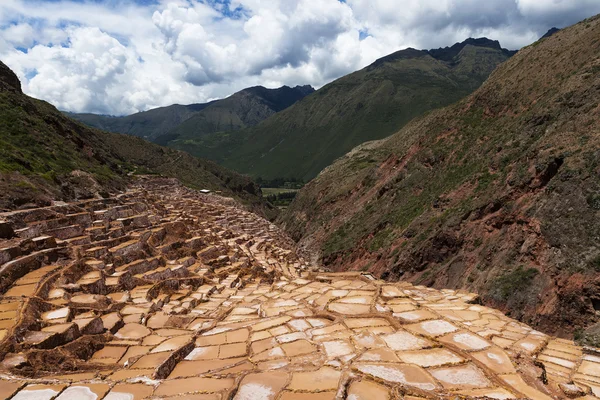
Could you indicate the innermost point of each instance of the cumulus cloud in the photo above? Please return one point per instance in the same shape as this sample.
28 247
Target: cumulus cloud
120 57
272 36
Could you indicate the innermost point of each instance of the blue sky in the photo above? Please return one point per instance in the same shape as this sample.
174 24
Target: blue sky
119 57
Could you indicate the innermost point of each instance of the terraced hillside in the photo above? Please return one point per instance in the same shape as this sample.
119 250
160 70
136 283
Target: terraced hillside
498 193
45 156
365 105
161 292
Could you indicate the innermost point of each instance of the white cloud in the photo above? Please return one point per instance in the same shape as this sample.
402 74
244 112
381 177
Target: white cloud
76 76
19 35
121 57
273 36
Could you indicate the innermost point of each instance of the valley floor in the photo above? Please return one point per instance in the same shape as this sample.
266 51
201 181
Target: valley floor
163 292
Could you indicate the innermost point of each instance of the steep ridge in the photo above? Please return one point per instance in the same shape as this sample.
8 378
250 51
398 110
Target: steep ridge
46 156
161 125
368 104
498 193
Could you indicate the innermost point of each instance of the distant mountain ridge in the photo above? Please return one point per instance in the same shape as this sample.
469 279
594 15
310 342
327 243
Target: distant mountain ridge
447 54
146 124
368 104
244 108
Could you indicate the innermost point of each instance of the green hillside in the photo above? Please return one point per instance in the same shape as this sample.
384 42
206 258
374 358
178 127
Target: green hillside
45 156
243 109
147 124
368 104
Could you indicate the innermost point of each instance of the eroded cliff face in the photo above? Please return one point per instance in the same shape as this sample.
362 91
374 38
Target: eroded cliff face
499 193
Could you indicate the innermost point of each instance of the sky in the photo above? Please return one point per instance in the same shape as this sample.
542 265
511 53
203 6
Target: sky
119 57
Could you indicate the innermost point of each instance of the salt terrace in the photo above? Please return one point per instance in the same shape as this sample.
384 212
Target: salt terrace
166 293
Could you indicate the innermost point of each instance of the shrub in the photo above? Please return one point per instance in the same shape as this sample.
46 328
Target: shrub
514 283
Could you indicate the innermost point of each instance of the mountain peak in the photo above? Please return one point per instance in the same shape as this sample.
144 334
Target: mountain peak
404 54
550 32
483 42
448 53
8 79
443 53
304 89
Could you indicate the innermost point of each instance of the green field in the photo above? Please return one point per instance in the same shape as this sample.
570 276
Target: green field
279 197
270 191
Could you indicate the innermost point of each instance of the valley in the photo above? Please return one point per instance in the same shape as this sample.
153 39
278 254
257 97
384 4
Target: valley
293 133
426 227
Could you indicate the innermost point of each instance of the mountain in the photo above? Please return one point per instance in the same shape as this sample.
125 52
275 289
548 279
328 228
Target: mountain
498 193
147 124
161 125
45 156
243 109
365 105
550 32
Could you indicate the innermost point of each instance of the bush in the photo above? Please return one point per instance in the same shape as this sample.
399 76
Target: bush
514 283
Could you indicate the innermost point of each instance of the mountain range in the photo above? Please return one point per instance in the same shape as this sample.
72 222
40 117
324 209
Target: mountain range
498 193
293 133
368 104
240 110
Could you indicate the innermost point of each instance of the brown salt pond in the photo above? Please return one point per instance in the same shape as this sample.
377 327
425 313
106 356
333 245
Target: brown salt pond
199 299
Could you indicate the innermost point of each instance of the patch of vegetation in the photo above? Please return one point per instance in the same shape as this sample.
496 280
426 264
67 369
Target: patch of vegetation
594 263
484 181
593 200
583 338
357 163
513 283
383 238
336 242
279 197
280 183
424 277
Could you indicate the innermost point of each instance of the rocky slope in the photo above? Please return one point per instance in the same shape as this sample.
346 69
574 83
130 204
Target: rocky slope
178 123
498 193
368 104
46 156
